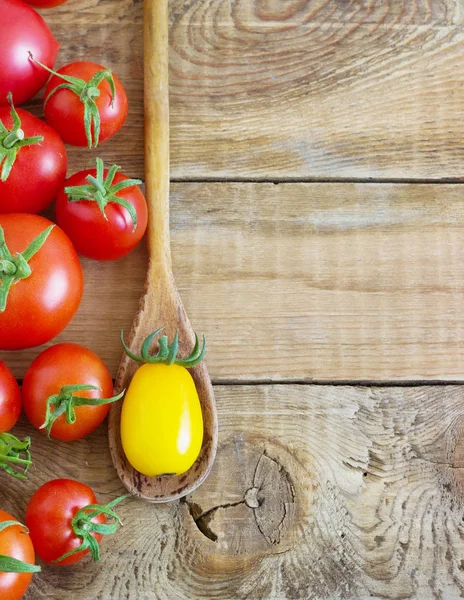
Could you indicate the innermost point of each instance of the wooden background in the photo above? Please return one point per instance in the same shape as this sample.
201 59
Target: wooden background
318 240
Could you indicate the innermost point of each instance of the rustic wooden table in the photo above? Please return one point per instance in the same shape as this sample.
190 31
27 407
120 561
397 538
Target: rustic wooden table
332 302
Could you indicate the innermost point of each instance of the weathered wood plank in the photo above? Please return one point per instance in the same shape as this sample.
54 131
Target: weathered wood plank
315 89
318 492
302 282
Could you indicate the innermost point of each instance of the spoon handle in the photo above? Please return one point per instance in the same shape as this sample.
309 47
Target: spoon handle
156 99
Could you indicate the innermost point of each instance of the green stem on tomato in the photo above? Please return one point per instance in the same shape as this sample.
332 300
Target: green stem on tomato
12 140
13 565
83 527
11 450
14 136
102 191
167 353
14 268
65 403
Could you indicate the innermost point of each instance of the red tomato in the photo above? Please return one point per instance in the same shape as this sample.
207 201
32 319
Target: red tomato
10 399
98 236
64 110
49 519
16 543
40 306
61 365
22 31
45 3
39 169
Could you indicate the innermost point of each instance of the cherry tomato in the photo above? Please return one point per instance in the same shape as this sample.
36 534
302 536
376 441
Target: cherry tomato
64 109
39 168
22 30
45 3
49 518
43 294
10 399
66 365
15 543
102 232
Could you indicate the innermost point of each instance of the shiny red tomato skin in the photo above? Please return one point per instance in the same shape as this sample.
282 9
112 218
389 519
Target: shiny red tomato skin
65 112
10 399
49 515
93 235
39 170
22 30
66 364
15 542
41 306
45 3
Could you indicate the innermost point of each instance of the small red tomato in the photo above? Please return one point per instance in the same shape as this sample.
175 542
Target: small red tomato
41 281
10 399
103 212
59 523
15 543
33 162
15 456
96 92
45 3
56 387
23 31
49 518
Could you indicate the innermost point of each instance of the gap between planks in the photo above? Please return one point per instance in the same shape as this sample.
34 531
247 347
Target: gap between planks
309 180
341 383
323 383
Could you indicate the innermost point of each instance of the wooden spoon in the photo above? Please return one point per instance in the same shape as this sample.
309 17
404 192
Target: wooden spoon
160 304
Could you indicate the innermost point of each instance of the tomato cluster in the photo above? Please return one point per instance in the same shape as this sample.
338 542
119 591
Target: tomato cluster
64 523
101 214
66 394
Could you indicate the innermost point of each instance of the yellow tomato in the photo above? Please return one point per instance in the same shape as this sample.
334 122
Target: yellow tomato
161 421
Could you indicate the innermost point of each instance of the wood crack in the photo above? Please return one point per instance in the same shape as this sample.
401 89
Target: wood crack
203 519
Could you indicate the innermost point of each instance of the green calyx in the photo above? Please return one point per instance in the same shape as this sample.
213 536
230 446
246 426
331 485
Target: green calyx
87 91
11 142
15 453
101 190
167 353
65 403
83 527
15 268
13 565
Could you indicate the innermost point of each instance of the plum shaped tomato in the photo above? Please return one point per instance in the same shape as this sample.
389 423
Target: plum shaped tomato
16 558
161 419
22 30
67 391
84 102
41 281
11 448
33 162
66 523
103 212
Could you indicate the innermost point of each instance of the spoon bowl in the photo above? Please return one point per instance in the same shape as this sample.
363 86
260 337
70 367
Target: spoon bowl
160 305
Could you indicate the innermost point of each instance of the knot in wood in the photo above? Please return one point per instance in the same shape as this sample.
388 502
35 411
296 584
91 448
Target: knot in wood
248 503
251 498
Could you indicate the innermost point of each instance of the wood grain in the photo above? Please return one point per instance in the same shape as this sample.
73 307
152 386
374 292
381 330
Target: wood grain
292 89
348 281
317 492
